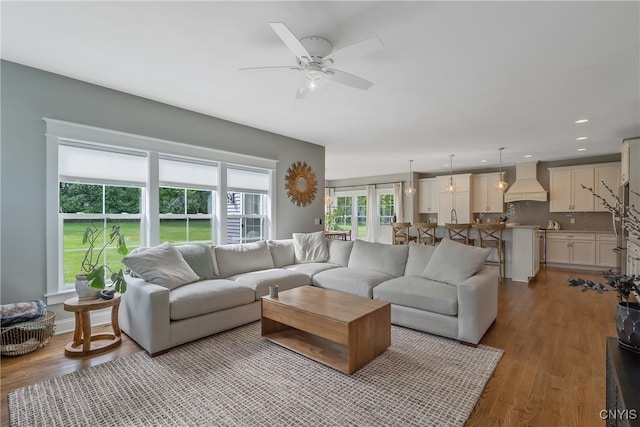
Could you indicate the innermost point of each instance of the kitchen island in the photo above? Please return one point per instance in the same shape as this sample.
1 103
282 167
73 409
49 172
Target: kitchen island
522 250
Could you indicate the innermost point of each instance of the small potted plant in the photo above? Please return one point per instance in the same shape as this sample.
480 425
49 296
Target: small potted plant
92 279
627 286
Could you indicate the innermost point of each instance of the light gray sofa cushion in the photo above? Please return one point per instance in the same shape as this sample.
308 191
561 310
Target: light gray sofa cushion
207 296
260 281
162 265
339 251
242 258
310 269
454 262
379 257
310 247
418 258
420 293
352 280
282 252
198 256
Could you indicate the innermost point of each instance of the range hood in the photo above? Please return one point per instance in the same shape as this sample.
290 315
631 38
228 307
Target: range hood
526 186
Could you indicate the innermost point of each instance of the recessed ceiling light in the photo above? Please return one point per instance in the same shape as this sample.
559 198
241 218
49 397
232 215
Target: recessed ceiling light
528 155
581 121
483 161
582 149
446 165
581 138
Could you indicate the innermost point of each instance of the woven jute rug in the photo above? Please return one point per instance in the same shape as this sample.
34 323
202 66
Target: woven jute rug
236 378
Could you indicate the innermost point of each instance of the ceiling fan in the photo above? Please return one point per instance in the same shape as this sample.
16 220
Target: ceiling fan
315 57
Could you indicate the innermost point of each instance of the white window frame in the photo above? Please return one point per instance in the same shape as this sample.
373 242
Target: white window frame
354 194
58 131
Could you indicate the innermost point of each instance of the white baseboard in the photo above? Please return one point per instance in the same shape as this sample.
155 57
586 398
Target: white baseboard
98 317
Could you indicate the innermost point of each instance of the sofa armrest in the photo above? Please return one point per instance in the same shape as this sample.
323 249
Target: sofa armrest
477 305
144 314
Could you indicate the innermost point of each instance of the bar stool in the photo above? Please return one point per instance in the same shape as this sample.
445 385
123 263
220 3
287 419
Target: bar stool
400 233
427 233
490 236
459 233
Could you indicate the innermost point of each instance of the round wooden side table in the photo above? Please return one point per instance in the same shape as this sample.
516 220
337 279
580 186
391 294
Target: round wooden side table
85 344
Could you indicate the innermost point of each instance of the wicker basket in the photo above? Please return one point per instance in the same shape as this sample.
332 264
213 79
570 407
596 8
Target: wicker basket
25 337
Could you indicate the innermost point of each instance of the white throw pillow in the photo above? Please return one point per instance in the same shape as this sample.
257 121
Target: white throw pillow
310 247
454 262
162 265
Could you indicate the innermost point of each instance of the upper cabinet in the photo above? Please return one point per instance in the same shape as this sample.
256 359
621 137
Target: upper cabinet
456 206
567 194
428 195
610 174
484 195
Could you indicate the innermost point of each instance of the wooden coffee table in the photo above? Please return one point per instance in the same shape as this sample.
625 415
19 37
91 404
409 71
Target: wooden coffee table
337 329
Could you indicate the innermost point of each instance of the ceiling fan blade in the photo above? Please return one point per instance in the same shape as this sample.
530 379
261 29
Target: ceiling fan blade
349 79
291 41
357 49
276 67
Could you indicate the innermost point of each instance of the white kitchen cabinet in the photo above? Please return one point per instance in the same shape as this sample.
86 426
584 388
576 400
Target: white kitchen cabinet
605 244
610 174
460 200
484 195
566 193
525 253
428 195
633 258
571 248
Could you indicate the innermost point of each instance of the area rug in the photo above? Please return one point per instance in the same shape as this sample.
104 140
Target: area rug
236 378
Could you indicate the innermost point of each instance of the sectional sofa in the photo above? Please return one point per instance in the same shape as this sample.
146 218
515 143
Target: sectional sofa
177 294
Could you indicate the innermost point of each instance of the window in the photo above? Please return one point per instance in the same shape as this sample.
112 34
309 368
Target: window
89 197
186 200
386 212
246 205
155 190
362 217
349 212
344 211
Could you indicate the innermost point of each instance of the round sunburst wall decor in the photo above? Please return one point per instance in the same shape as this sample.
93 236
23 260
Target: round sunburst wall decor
301 184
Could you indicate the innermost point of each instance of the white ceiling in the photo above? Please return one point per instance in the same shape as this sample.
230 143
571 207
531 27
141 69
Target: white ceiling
461 78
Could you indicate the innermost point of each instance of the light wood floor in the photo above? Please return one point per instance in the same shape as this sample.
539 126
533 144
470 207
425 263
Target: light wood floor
552 372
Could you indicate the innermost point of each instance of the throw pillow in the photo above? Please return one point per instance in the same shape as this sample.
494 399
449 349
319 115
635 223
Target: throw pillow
310 247
127 270
162 265
454 262
198 256
282 252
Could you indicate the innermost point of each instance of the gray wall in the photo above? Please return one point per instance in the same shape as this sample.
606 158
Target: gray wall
29 94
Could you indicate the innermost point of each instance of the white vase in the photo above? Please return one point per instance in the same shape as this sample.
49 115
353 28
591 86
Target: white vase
84 290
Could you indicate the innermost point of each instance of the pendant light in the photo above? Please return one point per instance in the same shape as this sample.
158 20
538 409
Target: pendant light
327 197
501 184
451 188
410 191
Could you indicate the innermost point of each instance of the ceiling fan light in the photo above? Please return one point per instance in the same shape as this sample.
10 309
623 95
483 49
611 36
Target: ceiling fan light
312 79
